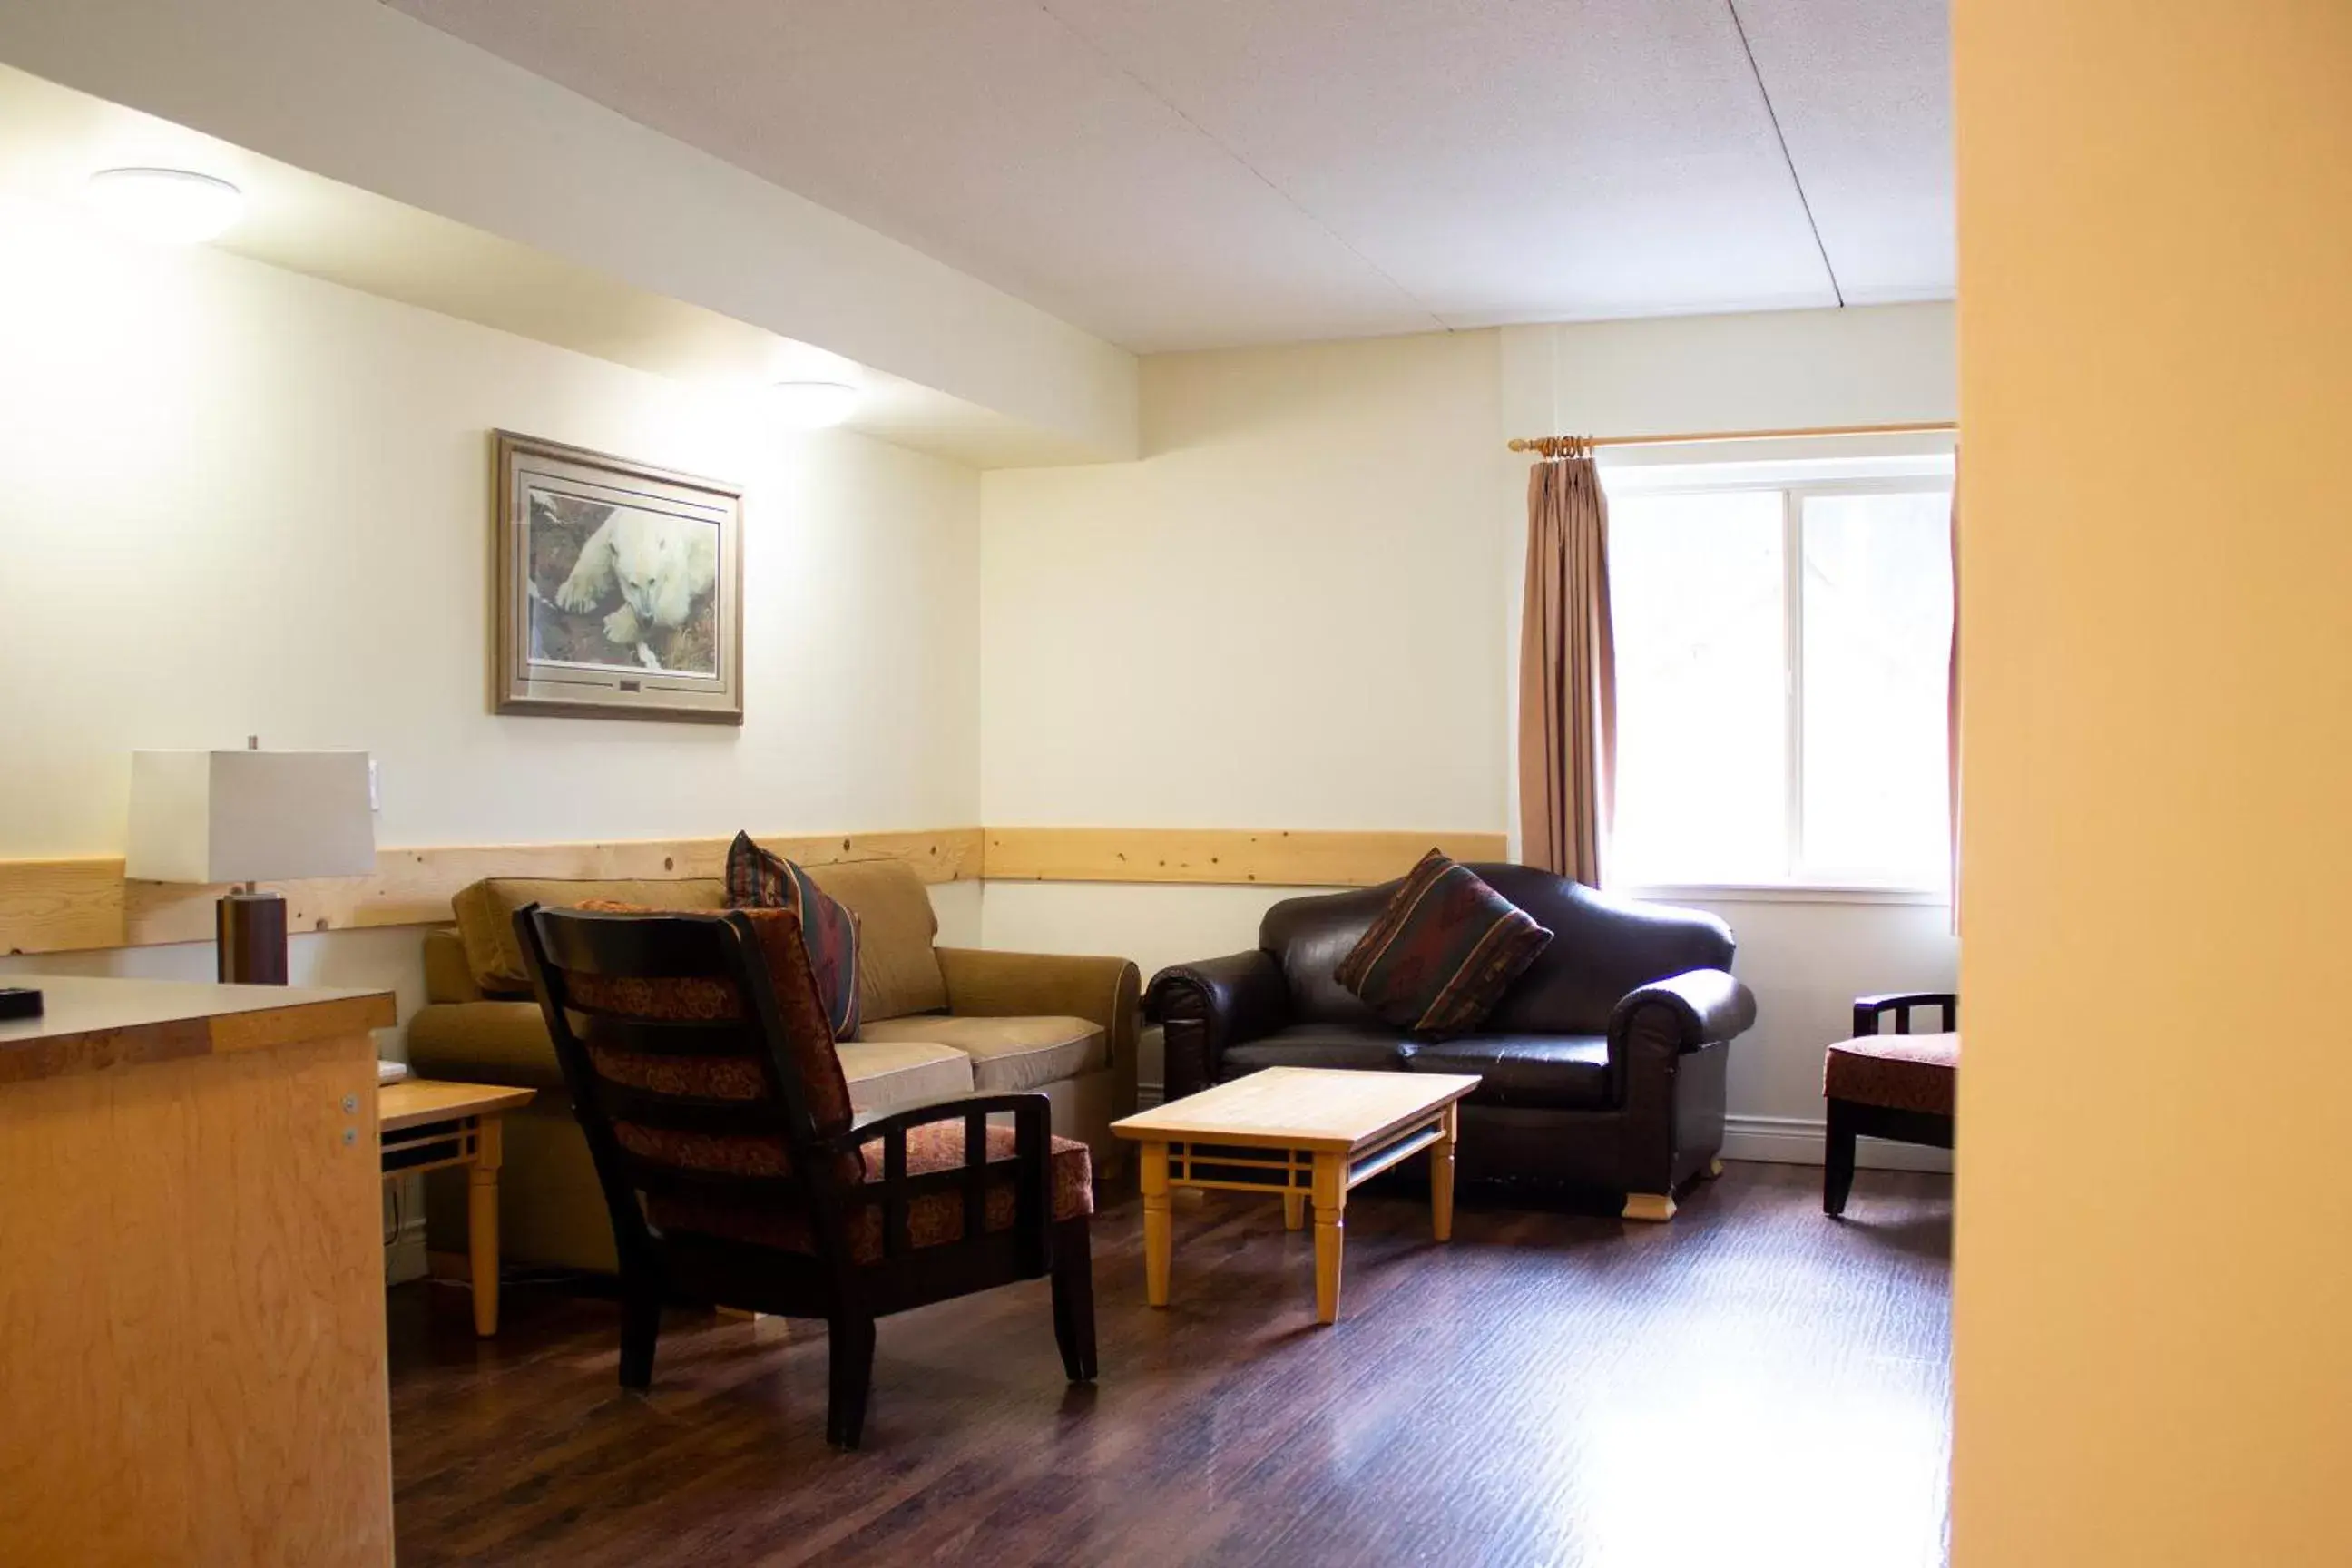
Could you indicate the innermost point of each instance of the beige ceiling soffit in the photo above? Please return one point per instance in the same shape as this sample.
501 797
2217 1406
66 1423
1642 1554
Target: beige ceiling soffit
358 93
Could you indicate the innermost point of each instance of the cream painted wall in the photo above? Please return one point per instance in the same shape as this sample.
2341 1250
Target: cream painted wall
244 502
1301 609
1250 625
2151 1364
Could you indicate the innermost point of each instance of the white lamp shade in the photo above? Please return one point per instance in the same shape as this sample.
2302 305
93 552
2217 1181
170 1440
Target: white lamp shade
249 816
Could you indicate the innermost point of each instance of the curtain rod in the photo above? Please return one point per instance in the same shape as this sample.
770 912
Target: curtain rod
1553 446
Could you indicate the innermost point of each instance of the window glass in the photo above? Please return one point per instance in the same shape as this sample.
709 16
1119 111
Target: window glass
1699 592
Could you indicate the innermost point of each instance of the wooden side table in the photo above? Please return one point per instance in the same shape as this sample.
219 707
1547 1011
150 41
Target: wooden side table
426 1125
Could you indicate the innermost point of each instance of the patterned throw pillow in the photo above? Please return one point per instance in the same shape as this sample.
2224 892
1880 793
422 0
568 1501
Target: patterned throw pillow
1442 951
757 880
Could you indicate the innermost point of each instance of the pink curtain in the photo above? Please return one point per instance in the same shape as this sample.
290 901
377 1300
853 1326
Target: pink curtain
1568 670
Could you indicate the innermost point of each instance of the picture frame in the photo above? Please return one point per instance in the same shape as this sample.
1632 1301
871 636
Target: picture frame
616 587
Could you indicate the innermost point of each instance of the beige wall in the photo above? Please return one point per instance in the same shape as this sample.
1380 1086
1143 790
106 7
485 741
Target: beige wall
2155 211
240 500
1301 610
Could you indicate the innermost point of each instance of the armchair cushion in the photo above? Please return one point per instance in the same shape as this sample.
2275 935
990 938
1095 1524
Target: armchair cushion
1442 951
1008 1055
932 1218
1564 1071
1378 1048
1895 1072
758 879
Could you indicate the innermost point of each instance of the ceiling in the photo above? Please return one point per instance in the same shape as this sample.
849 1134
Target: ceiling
1226 172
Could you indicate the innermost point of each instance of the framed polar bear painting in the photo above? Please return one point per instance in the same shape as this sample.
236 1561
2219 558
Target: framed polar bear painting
618 587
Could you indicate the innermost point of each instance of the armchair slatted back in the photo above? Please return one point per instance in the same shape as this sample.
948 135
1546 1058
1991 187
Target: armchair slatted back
700 1063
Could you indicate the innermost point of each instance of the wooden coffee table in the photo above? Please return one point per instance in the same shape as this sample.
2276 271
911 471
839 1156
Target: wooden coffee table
1304 1133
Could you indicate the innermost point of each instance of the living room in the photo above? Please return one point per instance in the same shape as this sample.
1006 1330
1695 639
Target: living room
1127 481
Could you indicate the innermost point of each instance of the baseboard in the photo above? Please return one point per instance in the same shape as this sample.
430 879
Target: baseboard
1775 1140
1798 1140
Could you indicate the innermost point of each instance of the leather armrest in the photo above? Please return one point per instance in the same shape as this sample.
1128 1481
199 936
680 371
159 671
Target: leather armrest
1205 1007
1697 1007
983 983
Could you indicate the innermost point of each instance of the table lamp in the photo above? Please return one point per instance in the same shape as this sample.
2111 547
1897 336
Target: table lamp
245 817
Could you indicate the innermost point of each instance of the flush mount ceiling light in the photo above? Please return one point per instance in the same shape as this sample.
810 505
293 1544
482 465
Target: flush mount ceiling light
172 206
812 404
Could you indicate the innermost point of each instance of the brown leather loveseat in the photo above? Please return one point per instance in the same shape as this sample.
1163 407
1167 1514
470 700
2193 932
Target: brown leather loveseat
1603 1065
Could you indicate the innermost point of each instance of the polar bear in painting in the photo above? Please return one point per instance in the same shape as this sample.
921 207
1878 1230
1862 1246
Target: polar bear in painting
663 565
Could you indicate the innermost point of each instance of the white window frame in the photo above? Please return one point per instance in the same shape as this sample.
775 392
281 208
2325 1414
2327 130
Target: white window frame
1865 477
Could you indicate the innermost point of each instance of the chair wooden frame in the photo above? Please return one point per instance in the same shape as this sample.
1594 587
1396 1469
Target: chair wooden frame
827 1281
1852 1119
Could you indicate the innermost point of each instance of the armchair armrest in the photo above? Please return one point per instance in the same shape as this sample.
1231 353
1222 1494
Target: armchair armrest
984 983
1868 1010
1033 1147
1205 1008
1697 1007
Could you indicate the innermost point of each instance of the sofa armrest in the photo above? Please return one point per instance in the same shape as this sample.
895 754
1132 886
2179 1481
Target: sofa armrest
1697 1007
1205 1008
983 983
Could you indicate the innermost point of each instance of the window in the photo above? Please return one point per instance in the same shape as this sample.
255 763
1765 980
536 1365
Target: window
1782 655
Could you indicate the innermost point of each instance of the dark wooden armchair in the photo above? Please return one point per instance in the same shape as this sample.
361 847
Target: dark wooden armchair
1901 1086
702 1071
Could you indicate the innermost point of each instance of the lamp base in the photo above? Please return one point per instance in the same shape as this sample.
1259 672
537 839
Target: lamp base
250 931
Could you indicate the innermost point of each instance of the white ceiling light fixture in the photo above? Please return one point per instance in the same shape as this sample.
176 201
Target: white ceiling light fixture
813 405
172 206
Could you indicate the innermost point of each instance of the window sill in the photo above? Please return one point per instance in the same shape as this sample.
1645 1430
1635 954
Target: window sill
1783 893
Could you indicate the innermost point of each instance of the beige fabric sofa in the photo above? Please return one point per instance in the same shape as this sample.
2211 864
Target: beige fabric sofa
935 1021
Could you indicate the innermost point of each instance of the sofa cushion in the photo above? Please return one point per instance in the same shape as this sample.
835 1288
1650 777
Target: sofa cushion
1564 1072
898 972
447 976
1895 1072
1008 1055
486 912
759 879
1443 951
1319 1046
891 1075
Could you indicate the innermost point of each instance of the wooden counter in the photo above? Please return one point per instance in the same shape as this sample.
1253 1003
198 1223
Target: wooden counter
192 1277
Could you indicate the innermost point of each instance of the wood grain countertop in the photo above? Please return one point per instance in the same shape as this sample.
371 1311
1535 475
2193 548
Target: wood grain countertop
94 1025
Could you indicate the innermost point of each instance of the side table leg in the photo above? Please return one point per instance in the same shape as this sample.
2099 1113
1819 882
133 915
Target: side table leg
1330 1232
482 1222
1158 1241
1294 1210
1441 1175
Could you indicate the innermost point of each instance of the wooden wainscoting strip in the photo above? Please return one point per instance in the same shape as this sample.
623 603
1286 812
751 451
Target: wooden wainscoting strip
1275 857
59 906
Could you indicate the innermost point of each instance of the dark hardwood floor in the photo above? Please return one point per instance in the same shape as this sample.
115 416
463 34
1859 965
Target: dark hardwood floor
1755 1383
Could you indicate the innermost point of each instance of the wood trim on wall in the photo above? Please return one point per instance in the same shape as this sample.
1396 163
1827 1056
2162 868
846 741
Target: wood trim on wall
60 906
1275 857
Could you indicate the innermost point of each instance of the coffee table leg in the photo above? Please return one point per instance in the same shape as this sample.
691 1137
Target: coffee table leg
1441 1175
1294 1210
1157 1243
1330 1232
482 1222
